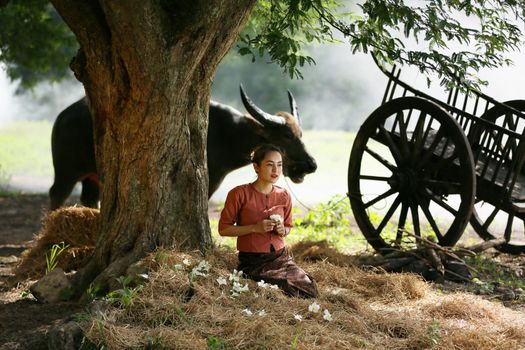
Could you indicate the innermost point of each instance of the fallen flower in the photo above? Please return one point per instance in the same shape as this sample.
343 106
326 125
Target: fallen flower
314 307
326 315
262 313
235 275
298 317
247 312
186 262
239 288
221 281
262 284
201 269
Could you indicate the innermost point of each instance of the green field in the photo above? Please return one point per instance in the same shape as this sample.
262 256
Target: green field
25 148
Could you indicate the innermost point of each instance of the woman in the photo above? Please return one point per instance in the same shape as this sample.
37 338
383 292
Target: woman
259 214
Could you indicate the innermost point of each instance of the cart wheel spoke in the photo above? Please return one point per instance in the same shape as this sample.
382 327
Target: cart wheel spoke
490 218
430 151
441 203
374 178
415 219
380 159
391 145
388 215
442 183
379 198
403 134
508 228
401 223
432 222
417 136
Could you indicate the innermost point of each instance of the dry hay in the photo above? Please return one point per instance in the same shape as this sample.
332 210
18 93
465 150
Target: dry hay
76 227
369 310
320 251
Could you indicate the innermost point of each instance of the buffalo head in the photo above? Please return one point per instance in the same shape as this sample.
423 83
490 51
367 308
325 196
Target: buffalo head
284 130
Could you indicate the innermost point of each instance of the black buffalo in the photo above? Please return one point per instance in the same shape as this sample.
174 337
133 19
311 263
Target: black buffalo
232 136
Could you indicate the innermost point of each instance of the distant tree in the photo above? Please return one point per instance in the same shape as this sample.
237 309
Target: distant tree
35 43
147 68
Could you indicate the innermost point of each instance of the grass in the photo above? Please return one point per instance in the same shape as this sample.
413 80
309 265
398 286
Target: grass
25 148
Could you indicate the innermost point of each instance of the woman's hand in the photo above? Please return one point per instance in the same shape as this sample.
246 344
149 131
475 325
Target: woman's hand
265 226
280 229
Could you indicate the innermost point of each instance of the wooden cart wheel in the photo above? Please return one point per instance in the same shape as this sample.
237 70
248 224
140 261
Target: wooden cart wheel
488 221
501 116
498 115
411 173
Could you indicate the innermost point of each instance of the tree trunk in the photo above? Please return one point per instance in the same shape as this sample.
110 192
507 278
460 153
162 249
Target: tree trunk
147 68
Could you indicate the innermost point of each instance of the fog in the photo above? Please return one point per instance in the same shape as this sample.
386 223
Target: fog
44 102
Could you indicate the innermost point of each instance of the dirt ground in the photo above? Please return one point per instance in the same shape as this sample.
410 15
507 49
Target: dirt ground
24 322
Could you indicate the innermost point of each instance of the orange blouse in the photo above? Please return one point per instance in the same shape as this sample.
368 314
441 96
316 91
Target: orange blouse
246 206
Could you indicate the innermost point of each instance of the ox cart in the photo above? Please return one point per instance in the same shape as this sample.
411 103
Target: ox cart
422 167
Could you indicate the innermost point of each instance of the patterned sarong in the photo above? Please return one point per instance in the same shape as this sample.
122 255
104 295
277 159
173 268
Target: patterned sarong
278 268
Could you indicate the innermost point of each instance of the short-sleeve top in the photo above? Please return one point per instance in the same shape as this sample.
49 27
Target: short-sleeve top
246 206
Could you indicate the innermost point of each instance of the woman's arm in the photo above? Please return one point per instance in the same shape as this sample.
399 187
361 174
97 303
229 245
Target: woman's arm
236 231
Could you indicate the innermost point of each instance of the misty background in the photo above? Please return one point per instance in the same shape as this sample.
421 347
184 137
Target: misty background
336 94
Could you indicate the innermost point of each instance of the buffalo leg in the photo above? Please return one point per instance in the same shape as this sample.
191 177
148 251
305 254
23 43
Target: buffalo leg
90 193
60 190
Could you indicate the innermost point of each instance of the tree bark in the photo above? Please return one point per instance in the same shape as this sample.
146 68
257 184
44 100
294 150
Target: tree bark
147 68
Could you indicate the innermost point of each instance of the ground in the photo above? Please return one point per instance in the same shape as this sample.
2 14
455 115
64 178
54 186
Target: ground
24 322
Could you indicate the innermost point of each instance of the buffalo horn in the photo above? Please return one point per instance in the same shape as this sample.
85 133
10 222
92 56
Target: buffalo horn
293 107
258 113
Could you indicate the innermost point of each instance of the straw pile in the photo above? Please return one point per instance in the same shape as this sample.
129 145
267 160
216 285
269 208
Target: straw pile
321 251
76 227
364 310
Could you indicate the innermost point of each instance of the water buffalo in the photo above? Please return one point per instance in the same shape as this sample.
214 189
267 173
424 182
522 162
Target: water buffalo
231 138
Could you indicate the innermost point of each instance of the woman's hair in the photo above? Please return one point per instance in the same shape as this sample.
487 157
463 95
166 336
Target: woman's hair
261 151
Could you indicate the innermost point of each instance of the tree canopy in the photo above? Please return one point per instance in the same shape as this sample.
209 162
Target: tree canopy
454 38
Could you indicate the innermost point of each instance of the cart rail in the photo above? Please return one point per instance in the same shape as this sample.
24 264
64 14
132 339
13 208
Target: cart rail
498 150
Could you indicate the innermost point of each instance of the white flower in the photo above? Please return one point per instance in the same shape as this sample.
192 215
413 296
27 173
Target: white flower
327 315
201 269
262 313
262 284
276 217
235 275
221 281
274 286
314 307
298 317
186 262
247 312
239 288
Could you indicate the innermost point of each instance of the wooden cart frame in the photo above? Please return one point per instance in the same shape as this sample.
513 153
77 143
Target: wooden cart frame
423 167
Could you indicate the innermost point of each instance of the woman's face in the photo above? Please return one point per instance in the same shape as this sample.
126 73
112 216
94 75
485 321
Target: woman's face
271 167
